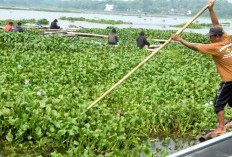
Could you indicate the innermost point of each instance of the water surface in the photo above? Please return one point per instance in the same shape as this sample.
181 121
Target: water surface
146 22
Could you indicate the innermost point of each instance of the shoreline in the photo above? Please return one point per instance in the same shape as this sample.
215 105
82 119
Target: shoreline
103 12
92 12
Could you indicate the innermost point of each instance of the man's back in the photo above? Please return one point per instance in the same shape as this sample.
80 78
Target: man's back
142 41
54 25
222 56
113 39
19 29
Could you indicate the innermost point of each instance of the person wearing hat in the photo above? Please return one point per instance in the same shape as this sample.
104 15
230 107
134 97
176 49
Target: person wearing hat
221 50
54 25
142 41
19 28
113 37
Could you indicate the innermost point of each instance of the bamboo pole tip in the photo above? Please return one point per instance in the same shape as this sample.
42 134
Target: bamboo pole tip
90 106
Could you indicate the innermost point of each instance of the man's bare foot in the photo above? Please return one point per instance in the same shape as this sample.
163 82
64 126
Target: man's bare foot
219 131
215 133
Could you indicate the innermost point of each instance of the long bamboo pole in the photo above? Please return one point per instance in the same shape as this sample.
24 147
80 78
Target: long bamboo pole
149 57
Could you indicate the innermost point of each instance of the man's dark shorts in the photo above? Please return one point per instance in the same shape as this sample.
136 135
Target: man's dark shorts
224 96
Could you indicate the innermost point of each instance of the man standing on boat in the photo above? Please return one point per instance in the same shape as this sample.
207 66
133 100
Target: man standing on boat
221 50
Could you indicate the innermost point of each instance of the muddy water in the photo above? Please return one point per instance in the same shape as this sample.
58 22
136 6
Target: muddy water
170 145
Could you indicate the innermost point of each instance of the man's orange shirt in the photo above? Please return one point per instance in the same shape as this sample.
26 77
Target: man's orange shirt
222 56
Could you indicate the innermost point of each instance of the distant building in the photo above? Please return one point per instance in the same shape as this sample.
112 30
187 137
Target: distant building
109 7
134 10
189 12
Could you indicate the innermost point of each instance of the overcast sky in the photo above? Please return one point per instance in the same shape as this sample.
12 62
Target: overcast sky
129 0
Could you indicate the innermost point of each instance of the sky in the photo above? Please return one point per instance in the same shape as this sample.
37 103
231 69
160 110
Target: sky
132 0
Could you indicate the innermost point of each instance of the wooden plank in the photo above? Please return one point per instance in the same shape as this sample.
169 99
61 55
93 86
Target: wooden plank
69 35
89 35
35 27
53 30
52 33
68 32
29 27
153 46
72 29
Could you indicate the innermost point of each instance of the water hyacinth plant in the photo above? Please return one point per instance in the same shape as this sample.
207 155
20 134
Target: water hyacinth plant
113 22
43 104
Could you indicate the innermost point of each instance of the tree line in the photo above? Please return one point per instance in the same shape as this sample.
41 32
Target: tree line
223 7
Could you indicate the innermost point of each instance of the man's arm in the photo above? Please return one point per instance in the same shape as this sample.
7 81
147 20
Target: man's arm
116 38
146 42
213 16
176 37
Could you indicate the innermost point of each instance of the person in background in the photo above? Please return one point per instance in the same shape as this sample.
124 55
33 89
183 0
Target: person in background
142 41
9 27
113 37
221 50
19 28
54 25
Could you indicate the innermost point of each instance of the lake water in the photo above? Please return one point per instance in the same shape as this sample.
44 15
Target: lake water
170 145
146 22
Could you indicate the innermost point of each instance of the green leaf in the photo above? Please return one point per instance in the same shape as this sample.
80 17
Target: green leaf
9 137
